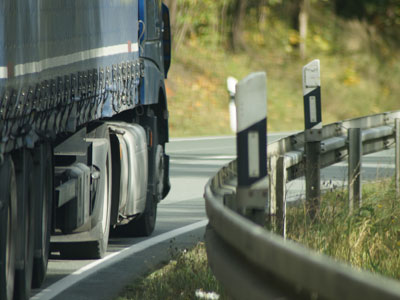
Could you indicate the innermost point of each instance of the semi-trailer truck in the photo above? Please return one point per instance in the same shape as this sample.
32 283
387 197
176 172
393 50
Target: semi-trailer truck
83 129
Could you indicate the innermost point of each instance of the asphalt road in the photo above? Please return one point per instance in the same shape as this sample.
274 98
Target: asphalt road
181 221
180 224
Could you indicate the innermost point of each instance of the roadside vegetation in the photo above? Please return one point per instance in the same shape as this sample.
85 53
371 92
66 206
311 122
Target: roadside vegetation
187 276
368 238
360 61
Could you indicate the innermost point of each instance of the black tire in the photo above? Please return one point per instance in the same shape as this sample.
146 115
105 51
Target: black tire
145 224
25 245
8 228
159 171
43 169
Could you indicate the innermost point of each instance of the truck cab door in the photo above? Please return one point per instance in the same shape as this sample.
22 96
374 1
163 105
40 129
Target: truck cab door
153 19
150 33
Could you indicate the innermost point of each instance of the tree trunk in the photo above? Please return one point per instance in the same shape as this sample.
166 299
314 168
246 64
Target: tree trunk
236 36
172 5
303 24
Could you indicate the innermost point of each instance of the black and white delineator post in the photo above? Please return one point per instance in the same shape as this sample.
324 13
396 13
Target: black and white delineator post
251 109
312 133
312 95
231 85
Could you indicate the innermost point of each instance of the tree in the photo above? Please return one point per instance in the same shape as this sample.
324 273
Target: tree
172 5
237 25
303 26
298 11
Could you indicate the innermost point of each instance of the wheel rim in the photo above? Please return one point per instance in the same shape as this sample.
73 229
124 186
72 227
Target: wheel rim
105 198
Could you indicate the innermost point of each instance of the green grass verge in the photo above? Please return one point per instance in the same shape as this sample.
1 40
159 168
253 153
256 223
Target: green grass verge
368 238
186 273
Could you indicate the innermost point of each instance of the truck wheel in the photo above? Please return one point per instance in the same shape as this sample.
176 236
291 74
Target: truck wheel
101 217
43 169
26 222
145 224
8 228
159 172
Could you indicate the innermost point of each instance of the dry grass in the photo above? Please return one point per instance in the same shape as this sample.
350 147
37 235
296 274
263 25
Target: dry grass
368 238
186 273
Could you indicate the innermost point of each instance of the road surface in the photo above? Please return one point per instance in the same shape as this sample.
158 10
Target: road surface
180 224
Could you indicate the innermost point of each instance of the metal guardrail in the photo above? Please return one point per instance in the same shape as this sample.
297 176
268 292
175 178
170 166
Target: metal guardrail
253 263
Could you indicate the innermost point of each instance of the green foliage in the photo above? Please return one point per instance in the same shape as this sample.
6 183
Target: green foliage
383 13
360 70
197 19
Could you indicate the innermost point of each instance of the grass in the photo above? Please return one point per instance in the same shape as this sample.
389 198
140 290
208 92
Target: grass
184 276
359 75
368 238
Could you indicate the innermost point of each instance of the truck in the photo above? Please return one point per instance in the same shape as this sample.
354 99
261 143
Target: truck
83 129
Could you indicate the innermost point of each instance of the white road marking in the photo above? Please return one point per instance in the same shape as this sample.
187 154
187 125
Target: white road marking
201 161
385 165
203 138
172 152
63 284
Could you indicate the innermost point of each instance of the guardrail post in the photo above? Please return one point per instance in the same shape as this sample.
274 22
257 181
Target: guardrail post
272 189
313 134
251 139
355 155
281 176
397 156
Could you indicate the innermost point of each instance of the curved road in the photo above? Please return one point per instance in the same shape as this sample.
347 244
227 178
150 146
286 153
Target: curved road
180 224
181 220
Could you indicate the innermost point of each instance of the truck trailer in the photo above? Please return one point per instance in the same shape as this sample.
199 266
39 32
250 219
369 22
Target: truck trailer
83 129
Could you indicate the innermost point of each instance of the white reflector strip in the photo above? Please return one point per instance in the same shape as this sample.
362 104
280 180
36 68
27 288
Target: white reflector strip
254 156
313 109
54 62
3 73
